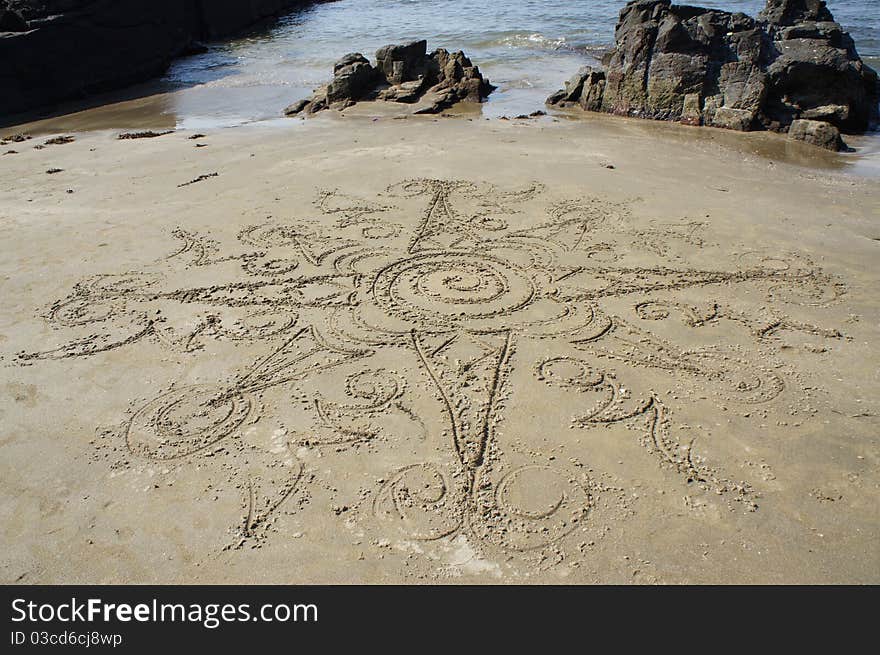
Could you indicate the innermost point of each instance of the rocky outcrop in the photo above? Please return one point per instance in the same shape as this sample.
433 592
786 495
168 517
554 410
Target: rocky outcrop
403 73
55 50
709 67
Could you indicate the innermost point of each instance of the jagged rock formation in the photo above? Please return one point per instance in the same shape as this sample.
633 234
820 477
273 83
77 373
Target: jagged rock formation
709 67
403 73
55 50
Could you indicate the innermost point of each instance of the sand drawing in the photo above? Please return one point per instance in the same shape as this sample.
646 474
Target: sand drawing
404 319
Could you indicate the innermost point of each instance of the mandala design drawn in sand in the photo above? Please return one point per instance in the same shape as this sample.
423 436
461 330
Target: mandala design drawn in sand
437 286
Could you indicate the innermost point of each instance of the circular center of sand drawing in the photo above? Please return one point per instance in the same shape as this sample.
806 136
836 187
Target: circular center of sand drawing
451 287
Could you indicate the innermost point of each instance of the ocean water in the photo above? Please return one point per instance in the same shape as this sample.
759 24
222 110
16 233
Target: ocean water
526 47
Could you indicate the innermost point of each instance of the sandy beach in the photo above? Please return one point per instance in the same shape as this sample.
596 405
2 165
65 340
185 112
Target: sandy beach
362 348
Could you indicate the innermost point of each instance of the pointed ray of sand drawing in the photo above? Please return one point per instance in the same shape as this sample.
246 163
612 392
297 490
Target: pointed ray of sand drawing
441 226
187 420
313 291
497 507
305 354
595 283
468 372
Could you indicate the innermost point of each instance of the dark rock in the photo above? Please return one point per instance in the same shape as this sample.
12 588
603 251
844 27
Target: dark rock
792 12
297 107
10 20
402 63
585 88
56 50
817 133
734 119
594 88
353 78
691 111
404 74
194 48
349 60
455 79
573 87
709 67
149 134
59 141
810 74
406 92
21 137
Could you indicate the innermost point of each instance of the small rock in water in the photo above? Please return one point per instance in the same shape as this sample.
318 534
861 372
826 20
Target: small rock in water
816 133
405 74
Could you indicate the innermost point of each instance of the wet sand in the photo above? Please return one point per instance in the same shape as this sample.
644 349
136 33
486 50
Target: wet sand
369 349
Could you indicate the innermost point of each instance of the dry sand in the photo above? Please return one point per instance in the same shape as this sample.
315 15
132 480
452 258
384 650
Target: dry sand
448 350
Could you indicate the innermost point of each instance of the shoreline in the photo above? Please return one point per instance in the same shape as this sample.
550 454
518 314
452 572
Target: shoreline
864 161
